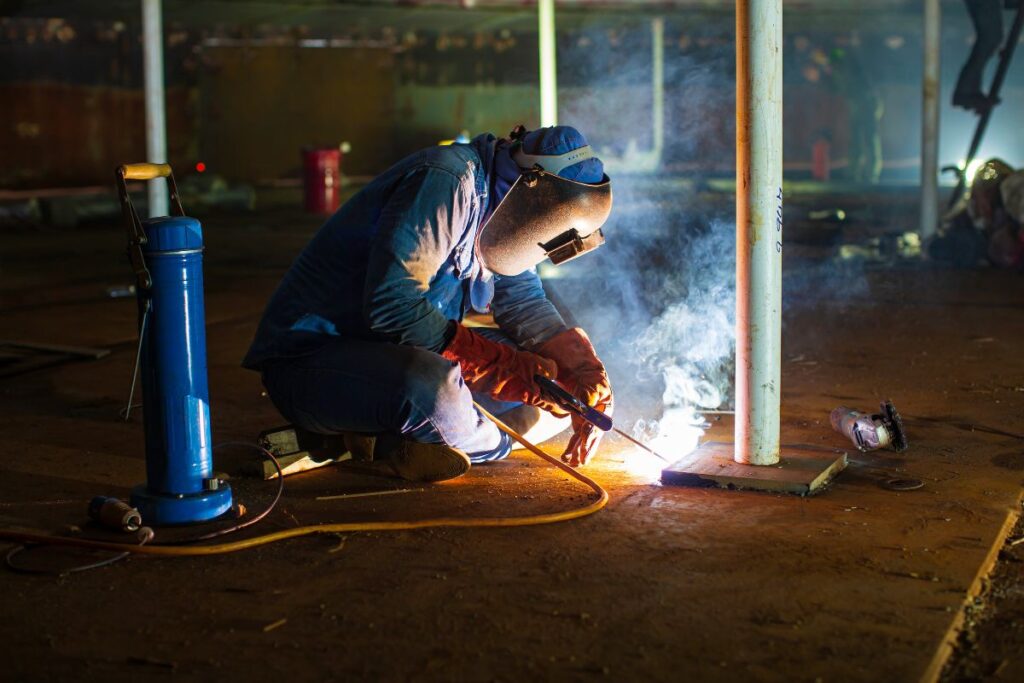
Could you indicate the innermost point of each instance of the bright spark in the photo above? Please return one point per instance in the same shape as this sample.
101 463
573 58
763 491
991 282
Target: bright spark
675 436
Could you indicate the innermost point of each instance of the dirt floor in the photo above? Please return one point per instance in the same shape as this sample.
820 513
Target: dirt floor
860 583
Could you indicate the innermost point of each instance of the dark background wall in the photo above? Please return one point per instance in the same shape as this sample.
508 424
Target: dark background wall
260 105
246 97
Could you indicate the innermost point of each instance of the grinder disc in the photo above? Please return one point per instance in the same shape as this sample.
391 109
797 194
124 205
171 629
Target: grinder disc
895 422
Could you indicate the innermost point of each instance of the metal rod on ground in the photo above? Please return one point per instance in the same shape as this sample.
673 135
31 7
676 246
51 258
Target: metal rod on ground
1005 57
758 229
930 91
156 131
548 62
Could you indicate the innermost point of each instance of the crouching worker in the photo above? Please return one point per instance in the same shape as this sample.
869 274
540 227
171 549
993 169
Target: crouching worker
364 335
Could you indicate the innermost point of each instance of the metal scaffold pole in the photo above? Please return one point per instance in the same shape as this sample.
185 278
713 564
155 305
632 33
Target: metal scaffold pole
548 62
758 229
930 91
156 132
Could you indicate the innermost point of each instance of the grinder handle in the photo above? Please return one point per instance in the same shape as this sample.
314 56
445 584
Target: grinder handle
563 399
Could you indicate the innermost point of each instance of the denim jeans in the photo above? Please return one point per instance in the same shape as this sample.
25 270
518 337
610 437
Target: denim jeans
374 387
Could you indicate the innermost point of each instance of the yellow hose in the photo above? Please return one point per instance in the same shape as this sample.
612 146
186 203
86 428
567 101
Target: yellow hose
245 544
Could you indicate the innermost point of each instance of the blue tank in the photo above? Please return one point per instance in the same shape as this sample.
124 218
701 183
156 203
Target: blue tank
180 487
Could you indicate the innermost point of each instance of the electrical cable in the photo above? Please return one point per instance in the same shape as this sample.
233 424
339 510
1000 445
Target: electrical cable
238 527
146 536
348 527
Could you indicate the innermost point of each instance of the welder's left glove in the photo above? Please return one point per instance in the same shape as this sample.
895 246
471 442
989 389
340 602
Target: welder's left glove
583 374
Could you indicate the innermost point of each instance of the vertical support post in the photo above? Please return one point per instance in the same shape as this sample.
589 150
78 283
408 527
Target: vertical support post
156 129
658 84
758 229
548 63
930 91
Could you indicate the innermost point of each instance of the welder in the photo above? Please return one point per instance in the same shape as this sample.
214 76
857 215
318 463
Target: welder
364 336
987 223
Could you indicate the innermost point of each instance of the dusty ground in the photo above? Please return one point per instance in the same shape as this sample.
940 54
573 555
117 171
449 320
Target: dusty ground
858 584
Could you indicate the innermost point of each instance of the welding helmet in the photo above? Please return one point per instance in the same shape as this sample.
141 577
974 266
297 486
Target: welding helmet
545 214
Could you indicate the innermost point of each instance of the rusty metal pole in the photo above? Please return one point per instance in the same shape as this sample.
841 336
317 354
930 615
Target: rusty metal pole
930 120
548 63
758 229
153 77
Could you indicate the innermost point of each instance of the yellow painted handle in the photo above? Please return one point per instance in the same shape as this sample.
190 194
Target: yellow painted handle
145 171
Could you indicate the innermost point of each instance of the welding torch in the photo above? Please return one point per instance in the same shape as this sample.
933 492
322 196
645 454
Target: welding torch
569 403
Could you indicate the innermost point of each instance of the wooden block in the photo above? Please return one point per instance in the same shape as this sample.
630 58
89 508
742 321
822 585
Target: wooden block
803 472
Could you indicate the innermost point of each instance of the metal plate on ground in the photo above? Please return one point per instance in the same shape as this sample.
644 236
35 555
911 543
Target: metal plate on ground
712 465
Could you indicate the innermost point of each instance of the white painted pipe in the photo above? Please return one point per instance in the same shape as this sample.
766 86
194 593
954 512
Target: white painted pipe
156 129
930 91
658 84
758 229
548 63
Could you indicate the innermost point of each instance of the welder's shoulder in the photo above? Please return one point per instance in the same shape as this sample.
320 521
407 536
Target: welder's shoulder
461 161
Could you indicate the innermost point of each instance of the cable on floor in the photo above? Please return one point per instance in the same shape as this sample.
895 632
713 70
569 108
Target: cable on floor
346 527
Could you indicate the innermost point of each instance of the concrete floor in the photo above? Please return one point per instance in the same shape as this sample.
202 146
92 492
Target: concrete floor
857 584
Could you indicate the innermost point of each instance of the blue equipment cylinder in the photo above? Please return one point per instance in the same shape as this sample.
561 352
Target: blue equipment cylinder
180 487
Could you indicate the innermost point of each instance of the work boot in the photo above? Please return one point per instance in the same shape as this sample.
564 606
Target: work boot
413 461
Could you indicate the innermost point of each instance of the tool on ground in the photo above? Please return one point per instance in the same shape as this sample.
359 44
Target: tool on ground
566 401
166 254
297 450
870 432
114 514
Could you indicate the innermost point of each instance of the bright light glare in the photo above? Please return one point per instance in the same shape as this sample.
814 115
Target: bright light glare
972 169
678 433
642 465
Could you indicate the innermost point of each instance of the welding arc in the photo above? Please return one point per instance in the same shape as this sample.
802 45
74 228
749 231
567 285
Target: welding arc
346 527
646 448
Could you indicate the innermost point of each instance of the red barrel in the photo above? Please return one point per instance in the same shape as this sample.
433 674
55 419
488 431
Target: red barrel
820 165
322 171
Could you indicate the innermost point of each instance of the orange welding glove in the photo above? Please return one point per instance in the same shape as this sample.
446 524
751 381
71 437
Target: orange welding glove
583 374
499 370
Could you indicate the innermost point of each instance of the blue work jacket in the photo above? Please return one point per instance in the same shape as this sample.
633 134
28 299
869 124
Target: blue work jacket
398 261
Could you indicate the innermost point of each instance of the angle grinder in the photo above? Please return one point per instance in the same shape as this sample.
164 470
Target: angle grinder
870 432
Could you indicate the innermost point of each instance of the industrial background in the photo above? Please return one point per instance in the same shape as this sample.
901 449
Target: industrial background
900 282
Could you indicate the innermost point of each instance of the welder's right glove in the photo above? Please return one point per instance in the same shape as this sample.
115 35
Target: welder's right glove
583 374
498 370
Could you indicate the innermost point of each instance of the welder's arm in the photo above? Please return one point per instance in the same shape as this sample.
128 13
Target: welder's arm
523 311
584 375
499 370
417 230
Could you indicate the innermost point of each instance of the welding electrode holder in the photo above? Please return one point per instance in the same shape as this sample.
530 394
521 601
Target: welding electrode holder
166 253
569 403
870 432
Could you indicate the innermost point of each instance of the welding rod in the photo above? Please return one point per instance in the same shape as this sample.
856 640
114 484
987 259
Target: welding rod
568 402
646 448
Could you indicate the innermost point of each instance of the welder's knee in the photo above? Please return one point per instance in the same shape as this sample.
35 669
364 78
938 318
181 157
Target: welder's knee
434 386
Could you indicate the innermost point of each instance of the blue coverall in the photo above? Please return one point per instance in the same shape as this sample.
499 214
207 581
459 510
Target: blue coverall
351 338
